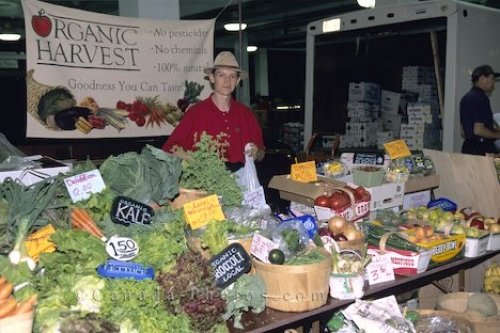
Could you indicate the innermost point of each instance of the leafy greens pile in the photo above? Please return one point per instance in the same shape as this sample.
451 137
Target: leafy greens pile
205 170
152 175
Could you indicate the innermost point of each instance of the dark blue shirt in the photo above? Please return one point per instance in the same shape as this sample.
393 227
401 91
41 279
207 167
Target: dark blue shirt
475 108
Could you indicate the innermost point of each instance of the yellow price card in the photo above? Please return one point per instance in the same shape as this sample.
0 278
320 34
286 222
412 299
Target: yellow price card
38 242
397 149
199 212
304 172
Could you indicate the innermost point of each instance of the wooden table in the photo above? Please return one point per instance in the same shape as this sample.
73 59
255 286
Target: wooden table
276 321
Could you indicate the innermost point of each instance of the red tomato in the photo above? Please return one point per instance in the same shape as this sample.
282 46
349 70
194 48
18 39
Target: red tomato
359 192
338 200
322 201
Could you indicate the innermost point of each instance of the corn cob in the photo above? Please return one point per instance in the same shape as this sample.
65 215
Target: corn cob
83 125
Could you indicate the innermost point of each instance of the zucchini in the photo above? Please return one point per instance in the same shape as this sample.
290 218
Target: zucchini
396 241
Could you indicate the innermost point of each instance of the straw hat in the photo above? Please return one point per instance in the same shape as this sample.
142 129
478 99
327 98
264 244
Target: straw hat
228 60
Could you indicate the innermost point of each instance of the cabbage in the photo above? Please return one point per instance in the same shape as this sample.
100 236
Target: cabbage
152 175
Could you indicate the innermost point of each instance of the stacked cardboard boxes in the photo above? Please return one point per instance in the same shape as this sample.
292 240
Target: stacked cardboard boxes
363 109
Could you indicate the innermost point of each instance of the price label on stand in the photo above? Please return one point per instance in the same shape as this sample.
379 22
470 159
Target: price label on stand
380 269
83 185
304 172
397 149
200 212
122 248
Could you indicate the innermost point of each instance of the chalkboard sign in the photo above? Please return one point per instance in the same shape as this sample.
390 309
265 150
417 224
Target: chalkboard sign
368 158
230 264
128 211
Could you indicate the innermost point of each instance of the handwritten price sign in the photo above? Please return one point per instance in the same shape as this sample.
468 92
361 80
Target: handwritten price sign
199 212
304 172
380 270
81 186
397 149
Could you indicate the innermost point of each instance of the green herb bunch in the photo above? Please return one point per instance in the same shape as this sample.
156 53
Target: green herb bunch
205 170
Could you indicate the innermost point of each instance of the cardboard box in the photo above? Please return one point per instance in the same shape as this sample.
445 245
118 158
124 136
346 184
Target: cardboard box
422 183
416 199
386 195
389 101
364 92
475 247
49 167
405 263
303 193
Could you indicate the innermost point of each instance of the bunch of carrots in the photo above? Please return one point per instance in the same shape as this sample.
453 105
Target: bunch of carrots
81 219
9 306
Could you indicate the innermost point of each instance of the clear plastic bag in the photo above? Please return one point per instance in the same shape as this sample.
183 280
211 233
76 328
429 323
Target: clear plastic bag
7 149
247 176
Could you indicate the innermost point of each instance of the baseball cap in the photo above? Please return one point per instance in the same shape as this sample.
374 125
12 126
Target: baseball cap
483 70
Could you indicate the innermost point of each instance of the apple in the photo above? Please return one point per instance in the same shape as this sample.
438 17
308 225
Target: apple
477 223
41 24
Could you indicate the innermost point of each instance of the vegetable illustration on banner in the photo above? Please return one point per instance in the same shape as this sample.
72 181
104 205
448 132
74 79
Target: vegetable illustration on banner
92 75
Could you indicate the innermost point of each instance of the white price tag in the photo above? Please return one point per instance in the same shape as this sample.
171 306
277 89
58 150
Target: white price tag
261 246
81 186
255 198
380 269
122 248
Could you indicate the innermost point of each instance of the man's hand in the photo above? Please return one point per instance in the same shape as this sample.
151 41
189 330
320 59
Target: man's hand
253 151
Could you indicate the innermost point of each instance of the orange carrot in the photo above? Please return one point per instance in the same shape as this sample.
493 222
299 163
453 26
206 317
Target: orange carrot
7 307
2 280
6 290
81 219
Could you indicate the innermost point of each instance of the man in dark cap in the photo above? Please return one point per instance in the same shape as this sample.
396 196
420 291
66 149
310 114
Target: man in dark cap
476 117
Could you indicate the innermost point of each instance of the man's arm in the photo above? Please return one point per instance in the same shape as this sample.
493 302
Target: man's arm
485 132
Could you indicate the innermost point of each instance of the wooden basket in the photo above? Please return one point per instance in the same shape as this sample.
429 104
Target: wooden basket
463 325
295 288
456 304
185 196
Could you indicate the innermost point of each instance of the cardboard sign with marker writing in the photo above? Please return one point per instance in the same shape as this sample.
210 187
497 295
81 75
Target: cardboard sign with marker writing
304 172
397 149
199 212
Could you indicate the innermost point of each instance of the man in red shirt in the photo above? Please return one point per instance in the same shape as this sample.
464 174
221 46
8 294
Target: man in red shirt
221 113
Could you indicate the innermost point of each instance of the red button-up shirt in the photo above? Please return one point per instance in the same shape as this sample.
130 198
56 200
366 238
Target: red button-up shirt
239 124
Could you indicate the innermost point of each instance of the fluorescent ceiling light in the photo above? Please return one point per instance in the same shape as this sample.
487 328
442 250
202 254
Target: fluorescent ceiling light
331 25
235 26
10 37
251 48
366 3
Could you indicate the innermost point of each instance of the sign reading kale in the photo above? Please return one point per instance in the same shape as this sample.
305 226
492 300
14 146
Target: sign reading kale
128 211
230 264
368 158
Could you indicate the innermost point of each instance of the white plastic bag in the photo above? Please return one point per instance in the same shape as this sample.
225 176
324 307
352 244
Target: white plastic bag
247 175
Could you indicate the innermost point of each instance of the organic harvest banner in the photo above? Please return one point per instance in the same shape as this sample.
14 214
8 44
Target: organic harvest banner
91 75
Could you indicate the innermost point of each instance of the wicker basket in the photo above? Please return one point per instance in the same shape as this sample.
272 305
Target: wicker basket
295 288
456 304
185 196
463 325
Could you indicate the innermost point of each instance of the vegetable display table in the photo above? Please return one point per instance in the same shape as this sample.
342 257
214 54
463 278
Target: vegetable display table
276 321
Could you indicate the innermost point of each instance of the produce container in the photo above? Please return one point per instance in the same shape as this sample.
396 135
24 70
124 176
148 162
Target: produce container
494 242
22 323
295 288
347 286
368 176
476 246
456 304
